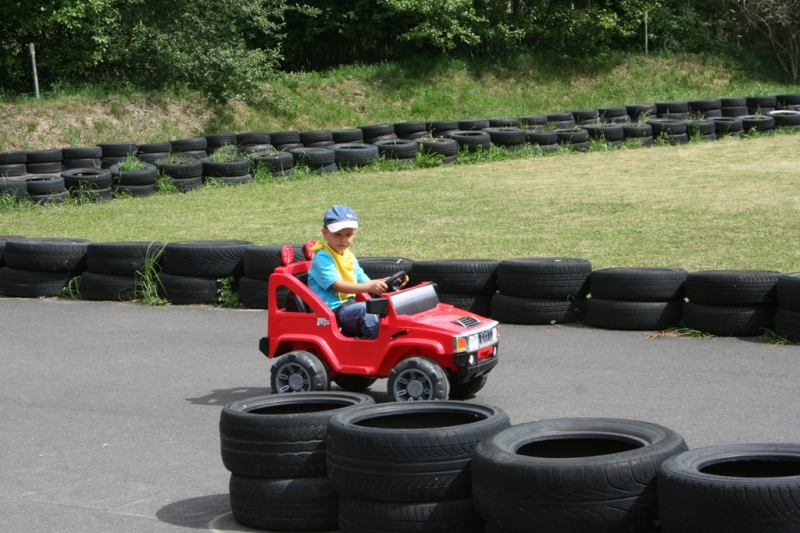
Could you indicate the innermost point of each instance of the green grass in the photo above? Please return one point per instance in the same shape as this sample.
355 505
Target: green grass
733 204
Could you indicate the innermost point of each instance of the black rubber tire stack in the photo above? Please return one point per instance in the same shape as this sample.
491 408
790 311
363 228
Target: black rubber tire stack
540 290
576 139
250 139
639 299
468 284
227 173
585 116
734 107
733 487
215 141
93 183
728 126
275 448
406 467
46 188
509 137
41 267
152 152
786 118
278 163
470 140
737 303
611 134
704 128
353 135
16 187
613 115
12 164
3 240
639 112
760 105
284 140
672 110
44 161
403 150
135 182
194 148
377 132
185 176
763 124
546 140
643 133
439 128
355 154
670 130
410 130
317 138
786 100
572 475
705 108
116 152
561 120
112 269
192 270
82 157
787 316
258 263
446 147
318 160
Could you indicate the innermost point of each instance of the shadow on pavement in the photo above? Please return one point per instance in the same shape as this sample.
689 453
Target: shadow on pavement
195 512
223 397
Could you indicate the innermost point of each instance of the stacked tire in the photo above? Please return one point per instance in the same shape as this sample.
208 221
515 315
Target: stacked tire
136 183
318 160
13 164
228 172
215 141
152 152
354 154
82 157
91 183
407 467
611 134
116 152
737 303
277 163
194 148
259 262
447 148
540 290
46 188
787 316
37 267
509 137
13 187
112 269
576 139
572 475
402 150
275 448
192 271
185 176
636 299
44 161
3 240
468 284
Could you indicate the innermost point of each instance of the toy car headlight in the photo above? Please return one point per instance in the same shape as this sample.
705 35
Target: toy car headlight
470 343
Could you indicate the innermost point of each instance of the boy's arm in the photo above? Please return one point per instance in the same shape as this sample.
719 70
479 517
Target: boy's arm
376 286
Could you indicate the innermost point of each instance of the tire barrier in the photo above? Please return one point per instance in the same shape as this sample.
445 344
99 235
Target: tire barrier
530 291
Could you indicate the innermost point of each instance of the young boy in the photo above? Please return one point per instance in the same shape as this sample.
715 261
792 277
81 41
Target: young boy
336 276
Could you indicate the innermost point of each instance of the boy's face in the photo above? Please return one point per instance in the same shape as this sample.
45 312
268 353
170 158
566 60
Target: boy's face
341 240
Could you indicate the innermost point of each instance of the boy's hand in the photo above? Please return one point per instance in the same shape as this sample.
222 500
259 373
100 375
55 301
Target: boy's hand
376 286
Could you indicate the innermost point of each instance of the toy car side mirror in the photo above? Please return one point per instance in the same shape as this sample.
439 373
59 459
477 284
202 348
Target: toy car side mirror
378 306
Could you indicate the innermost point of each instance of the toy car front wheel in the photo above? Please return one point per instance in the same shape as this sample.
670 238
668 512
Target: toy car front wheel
468 389
353 383
298 372
416 379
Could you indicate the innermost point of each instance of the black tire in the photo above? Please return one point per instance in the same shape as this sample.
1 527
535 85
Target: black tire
758 122
577 135
702 127
635 111
212 169
733 102
208 259
541 138
458 276
101 195
118 149
506 136
408 452
468 389
344 136
681 138
151 158
533 120
196 144
366 516
632 316
121 258
788 291
732 287
353 383
417 379
231 180
135 191
785 100
13 158
507 122
397 148
87 178
298 371
32 284
785 118
44 168
534 311
608 113
560 117
313 157
259 262
153 148
406 128
667 126
608 132
12 171
354 154
253 293
787 323
303 504
188 184
40 185
734 487
761 101
439 127
573 475
135 178
727 125
544 277
448 147
38 157
633 131
54 198
108 288
46 254
672 107
584 114
480 304
282 435
181 171
729 320
316 137
704 105
278 162
471 140
18 188
185 290
734 112
638 284
376 130
382 267
251 138
473 124
83 152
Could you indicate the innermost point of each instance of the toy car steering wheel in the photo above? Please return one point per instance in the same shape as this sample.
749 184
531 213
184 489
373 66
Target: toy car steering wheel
393 281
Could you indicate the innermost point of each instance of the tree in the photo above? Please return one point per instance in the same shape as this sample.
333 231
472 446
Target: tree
777 21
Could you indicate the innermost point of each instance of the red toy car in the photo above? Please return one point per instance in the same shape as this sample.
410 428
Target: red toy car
425 348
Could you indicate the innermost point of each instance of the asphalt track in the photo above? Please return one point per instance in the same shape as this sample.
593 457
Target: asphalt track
110 411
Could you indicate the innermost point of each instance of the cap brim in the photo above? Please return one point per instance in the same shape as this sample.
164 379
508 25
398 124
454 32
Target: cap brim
339 226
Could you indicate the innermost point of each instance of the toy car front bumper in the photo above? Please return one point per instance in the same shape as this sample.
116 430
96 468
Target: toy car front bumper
468 371
263 345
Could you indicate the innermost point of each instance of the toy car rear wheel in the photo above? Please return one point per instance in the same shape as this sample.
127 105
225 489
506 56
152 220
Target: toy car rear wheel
417 379
298 372
353 383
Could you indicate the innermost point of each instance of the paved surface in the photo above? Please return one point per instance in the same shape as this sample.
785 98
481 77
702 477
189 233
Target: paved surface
109 411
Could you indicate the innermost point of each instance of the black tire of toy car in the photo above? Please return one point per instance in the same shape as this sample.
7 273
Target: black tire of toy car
47 254
354 383
631 316
181 171
609 132
581 486
136 178
277 162
638 284
107 288
467 390
355 154
692 500
208 259
319 379
573 136
429 368
448 147
213 169
300 504
39 185
13 158
544 277
788 291
366 516
480 304
91 178
31 283
282 435
787 323
458 276
121 258
729 320
186 290
732 287
534 311
542 138
382 267
17 188
472 140
423 463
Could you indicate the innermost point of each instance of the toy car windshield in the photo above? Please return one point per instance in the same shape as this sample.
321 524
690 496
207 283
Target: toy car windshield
415 300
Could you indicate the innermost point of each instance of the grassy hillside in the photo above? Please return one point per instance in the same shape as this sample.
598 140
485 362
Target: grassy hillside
356 95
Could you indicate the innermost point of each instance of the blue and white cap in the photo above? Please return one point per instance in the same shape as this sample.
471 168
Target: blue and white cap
340 217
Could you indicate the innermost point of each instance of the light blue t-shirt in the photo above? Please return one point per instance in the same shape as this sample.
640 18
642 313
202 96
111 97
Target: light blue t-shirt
323 274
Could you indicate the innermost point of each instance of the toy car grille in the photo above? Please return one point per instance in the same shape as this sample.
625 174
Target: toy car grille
467 321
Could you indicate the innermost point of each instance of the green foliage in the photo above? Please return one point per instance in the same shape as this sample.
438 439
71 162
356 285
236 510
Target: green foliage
131 163
147 281
226 294
73 289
